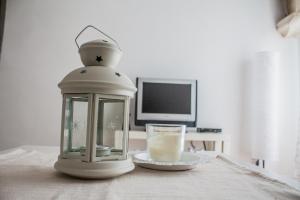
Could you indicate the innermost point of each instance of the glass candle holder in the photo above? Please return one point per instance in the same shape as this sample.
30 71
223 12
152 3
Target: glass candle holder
165 143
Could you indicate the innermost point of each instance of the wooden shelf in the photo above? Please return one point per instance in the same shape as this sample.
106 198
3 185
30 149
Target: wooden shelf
141 135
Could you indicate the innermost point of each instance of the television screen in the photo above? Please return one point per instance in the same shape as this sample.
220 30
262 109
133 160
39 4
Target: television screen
166 98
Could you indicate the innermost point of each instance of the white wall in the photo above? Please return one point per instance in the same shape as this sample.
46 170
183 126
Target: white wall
208 40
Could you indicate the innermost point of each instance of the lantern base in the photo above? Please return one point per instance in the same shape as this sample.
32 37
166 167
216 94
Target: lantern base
94 170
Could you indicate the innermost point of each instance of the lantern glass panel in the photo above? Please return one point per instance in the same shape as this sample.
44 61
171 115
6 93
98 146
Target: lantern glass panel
110 120
75 125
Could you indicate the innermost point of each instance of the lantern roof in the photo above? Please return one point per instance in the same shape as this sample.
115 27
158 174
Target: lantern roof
97 79
99 43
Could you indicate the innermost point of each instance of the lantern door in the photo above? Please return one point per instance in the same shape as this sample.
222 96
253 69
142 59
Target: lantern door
111 115
75 126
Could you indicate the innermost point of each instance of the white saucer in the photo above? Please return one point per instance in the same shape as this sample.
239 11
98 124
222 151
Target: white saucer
188 161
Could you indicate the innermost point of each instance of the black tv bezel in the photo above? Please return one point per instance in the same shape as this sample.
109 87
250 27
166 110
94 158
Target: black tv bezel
144 122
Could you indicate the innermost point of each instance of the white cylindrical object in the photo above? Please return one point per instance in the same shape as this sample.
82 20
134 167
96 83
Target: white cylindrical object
165 143
263 105
297 159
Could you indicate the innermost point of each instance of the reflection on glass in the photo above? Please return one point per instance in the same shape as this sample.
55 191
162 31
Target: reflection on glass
75 126
110 119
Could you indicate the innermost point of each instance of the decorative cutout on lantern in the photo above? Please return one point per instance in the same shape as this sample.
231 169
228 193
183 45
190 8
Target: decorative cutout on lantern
95 105
99 58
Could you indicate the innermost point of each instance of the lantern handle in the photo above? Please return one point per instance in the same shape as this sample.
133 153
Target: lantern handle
91 26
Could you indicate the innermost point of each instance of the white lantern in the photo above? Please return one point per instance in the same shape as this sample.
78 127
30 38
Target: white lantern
95 104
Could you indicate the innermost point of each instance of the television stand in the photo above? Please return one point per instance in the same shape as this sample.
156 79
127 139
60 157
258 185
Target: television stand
221 141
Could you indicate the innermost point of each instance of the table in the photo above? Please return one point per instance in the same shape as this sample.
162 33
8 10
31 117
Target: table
27 173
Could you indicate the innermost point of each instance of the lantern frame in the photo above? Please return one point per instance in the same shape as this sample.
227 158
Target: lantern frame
91 131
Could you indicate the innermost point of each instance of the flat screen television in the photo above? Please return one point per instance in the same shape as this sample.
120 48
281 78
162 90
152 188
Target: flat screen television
166 101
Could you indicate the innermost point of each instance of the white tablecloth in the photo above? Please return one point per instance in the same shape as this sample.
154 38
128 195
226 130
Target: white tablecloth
27 173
